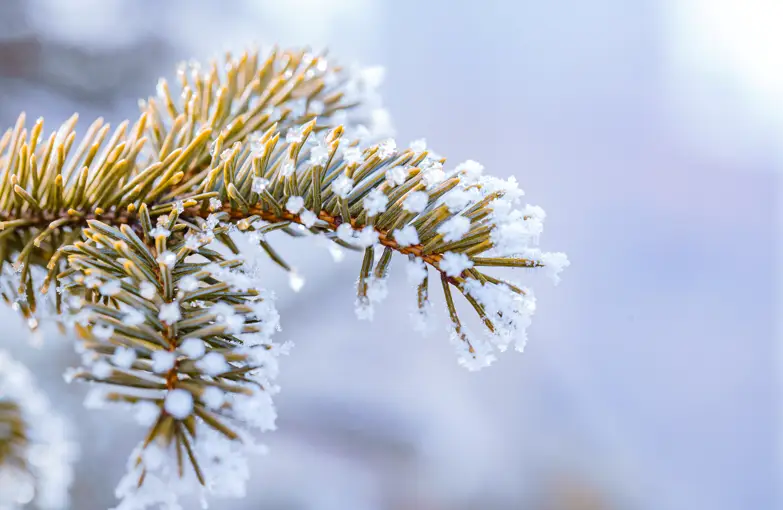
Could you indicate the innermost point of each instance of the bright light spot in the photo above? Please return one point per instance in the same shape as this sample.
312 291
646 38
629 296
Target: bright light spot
726 70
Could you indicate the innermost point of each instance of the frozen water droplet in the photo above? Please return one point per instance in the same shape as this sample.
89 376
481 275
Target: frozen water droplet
296 281
259 184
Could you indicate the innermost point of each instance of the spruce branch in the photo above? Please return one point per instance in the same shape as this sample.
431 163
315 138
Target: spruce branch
399 200
239 96
128 237
181 334
49 189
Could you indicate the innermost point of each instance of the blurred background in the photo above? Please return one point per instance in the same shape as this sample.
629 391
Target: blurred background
651 131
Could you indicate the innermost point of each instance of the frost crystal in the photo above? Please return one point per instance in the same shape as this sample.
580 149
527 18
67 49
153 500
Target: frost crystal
101 369
259 184
193 348
419 145
212 221
364 309
179 404
342 186
473 353
416 202
167 258
294 204
162 361
470 170
308 218
554 264
160 231
345 233
375 202
213 397
294 135
296 281
148 290
225 314
433 176
423 320
366 237
287 167
352 155
387 149
513 234
396 175
123 357
215 204
110 288
133 317
514 311
319 154
416 271
377 289
103 332
170 312
454 229
213 364
457 200
406 236
453 264
188 283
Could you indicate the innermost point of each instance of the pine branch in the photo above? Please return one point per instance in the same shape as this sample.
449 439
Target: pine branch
241 96
402 201
126 228
182 334
48 191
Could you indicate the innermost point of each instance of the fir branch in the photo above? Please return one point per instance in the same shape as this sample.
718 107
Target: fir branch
180 333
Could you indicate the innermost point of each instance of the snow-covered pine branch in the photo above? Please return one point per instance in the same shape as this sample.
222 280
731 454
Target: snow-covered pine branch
456 222
119 237
51 185
181 336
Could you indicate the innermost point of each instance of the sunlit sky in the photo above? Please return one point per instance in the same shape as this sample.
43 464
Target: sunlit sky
728 55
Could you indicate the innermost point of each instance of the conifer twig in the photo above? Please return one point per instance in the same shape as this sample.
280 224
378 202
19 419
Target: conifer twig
129 238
